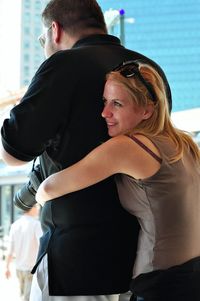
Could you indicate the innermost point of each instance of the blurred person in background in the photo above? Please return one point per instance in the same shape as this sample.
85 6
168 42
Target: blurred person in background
23 248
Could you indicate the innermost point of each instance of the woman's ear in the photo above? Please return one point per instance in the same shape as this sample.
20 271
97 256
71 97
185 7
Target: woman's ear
148 111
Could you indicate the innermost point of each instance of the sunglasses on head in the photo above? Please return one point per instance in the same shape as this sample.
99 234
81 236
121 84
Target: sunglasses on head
131 68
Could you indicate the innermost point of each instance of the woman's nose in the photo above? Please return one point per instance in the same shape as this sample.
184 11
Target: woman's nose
106 113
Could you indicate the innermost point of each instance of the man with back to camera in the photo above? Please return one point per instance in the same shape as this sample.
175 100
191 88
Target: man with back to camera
87 237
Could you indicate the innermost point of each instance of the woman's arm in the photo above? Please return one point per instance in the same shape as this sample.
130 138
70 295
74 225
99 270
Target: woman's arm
102 162
117 155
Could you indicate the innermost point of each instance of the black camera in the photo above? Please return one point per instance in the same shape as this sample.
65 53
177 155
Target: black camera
25 197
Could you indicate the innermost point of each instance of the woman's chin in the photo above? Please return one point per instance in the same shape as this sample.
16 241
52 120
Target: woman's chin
113 133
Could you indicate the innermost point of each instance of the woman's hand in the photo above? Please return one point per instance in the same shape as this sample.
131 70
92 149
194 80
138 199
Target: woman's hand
42 196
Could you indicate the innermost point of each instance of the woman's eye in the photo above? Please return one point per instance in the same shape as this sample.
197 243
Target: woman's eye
117 103
104 101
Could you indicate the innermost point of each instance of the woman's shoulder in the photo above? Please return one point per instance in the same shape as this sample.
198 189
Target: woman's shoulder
146 142
133 141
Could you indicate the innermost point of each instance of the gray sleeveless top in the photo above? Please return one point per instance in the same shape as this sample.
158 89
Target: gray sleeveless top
167 206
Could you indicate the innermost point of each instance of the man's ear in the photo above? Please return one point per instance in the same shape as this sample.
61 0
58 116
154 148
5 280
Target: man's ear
56 32
148 111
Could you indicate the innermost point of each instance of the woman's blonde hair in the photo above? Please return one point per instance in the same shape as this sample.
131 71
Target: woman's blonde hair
159 124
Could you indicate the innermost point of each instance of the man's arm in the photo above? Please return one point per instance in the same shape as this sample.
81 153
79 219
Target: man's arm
42 112
9 159
10 253
7 271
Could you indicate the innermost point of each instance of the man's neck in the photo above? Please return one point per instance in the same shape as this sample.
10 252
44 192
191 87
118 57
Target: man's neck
69 40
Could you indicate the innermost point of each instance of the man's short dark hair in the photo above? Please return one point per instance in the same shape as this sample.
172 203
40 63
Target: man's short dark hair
75 16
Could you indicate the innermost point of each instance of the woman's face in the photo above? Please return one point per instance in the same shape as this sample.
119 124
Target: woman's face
120 113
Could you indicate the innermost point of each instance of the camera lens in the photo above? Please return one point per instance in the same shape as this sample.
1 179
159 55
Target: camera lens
25 197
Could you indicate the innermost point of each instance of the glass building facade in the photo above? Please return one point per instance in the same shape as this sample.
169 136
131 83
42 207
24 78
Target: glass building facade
167 31
31 27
